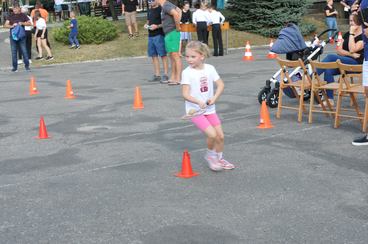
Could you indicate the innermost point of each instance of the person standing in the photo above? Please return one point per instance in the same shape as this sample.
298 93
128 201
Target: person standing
201 19
170 17
363 140
217 20
58 9
74 43
41 37
28 30
186 18
15 19
347 7
156 41
331 22
129 10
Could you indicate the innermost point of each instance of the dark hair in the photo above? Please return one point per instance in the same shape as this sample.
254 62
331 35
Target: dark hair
356 19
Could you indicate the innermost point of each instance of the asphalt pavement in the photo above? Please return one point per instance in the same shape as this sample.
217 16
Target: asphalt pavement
106 175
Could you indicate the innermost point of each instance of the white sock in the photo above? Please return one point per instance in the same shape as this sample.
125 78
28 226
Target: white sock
211 153
219 155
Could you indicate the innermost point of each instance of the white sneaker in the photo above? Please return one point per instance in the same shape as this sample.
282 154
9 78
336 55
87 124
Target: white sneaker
213 163
20 61
30 61
226 164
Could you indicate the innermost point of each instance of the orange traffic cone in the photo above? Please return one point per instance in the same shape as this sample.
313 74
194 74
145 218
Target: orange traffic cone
186 171
138 104
339 41
69 94
32 87
42 134
331 40
247 54
271 55
264 121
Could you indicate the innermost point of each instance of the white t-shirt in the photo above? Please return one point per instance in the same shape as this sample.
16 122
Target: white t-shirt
40 24
201 84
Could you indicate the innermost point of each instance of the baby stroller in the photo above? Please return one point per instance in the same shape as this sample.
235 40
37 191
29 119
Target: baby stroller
291 43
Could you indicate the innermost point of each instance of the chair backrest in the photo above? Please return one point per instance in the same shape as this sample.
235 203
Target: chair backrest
285 64
350 74
321 65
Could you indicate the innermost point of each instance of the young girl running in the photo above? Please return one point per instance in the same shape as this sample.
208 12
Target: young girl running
198 91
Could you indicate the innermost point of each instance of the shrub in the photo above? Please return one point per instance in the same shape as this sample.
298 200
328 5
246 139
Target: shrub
267 17
90 30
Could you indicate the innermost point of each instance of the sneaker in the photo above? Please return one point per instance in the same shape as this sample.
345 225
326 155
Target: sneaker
213 163
130 36
39 58
77 47
72 46
30 61
361 141
14 70
28 69
20 61
165 78
155 78
49 58
226 164
136 34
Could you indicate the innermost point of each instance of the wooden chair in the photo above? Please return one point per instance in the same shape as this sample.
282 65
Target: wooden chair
319 87
351 85
300 85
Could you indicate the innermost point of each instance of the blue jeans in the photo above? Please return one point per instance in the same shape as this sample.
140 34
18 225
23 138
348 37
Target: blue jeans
331 24
14 51
73 39
329 73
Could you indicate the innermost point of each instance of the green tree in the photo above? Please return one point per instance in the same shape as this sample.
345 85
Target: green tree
267 17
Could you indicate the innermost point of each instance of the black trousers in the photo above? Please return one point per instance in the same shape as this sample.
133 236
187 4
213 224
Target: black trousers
28 46
202 32
217 40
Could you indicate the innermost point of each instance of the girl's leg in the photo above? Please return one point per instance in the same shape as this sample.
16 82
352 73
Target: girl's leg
44 44
39 47
211 155
219 146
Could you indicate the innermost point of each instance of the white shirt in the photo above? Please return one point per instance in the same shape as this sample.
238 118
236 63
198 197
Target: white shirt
59 2
40 24
216 17
29 28
201 84
201 16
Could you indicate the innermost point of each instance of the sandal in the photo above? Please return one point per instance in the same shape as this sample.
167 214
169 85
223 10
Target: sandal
173 83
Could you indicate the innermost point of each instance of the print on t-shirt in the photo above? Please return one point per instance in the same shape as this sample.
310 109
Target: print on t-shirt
204 84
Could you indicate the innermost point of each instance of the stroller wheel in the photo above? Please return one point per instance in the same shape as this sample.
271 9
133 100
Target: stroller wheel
273 98
262 95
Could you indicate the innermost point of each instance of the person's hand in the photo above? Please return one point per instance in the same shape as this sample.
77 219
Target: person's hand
202 105
42 36
355 55
366 91
154 27
211 101
15 24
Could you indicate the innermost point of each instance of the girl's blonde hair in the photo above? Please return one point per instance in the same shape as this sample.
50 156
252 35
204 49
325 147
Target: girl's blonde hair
199 47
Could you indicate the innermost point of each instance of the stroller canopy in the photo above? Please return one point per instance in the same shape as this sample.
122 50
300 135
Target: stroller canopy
290 40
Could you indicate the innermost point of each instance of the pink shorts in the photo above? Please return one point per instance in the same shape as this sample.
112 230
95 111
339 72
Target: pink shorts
204 121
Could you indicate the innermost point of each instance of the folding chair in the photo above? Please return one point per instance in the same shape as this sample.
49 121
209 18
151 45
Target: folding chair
319 87
348 85
286 82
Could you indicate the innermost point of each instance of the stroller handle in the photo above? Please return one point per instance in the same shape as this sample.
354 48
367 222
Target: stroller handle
325 31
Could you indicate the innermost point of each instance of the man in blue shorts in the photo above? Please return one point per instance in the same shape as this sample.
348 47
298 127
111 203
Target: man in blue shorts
171 16
156 41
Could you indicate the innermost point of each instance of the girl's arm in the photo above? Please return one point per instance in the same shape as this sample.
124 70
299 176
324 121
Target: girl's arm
189 98
219 89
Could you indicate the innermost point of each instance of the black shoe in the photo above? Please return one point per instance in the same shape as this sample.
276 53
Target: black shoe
49 58
155 78
77 47
39 58
14 70
361 141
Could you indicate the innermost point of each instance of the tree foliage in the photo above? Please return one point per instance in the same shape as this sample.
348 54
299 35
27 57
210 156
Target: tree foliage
267 17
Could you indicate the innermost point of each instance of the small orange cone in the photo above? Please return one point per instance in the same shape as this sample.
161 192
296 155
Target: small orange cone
32 87
248 53
43 131
271 55
331 40
138 104
186 171
339 41
69 94
264 121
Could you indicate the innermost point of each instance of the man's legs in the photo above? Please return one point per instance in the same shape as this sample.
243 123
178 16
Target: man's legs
23 48
13 48
156 65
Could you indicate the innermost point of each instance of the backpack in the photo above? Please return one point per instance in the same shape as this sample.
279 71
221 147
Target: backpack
18 33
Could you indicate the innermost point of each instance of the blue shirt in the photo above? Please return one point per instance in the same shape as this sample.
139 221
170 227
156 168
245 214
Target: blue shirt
363 5
74 29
